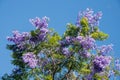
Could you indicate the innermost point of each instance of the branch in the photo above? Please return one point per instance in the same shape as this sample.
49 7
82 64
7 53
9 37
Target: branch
67 72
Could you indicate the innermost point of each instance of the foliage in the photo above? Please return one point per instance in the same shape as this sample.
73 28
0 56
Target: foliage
42 54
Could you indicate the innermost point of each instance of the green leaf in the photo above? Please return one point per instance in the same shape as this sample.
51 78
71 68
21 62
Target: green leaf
54 40
84 22
72 30
58 56
101 77
48 77
99 35
33 33
85 71
85 31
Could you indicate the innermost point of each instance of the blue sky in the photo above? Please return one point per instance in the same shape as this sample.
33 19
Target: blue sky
15 15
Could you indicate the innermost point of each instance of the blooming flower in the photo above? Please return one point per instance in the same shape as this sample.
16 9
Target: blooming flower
43 30
79 39
117 64
88 43
40 23
101 62
30 59
66 51
67 41
117 61
105 49
45 62
85 53
93 19
111 73
78 19
18 37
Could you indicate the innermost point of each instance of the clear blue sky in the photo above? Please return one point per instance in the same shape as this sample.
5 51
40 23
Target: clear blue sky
15 15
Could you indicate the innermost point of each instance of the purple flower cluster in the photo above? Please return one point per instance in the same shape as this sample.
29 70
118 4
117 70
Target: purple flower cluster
30 59
111 73
93 19
67 41
18 37
66 51
22 38
88 43
117 64
85 54
40 23
79 39
101 62
105 49
45 62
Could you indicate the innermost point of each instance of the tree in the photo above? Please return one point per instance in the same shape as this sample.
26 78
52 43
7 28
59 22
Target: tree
42 54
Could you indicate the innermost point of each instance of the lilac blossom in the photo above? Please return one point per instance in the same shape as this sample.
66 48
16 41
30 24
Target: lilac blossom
67 41
18 37
66 51
40 23
30 59
44 30
62 43
93 19
45 62
101 62
85 54
25 38
78 19
111 73
39 37
88 43
117 61
117 64
79 39
105 49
